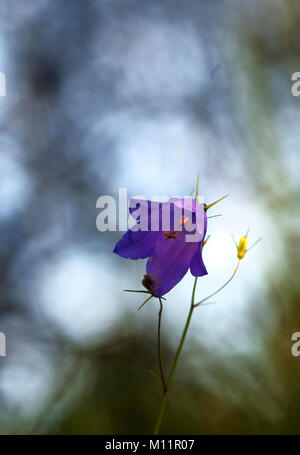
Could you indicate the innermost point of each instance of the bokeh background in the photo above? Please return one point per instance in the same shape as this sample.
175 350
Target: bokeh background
144 94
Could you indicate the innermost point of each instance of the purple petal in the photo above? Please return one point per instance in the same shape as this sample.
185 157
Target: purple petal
195 217
137 205
197 265
147 213
166 216
169 264
138 244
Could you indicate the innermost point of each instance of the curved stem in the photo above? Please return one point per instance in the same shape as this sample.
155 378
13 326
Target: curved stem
183 335
220 289
159 348
178 352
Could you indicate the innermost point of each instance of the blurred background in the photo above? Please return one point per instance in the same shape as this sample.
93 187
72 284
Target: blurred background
144 94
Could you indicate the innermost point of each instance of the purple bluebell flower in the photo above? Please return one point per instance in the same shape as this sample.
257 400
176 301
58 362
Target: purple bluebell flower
171 235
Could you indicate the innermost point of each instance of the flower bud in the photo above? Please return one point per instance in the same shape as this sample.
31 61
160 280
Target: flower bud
242 247
147 283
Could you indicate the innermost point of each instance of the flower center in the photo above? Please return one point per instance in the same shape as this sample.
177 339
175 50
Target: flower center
170 235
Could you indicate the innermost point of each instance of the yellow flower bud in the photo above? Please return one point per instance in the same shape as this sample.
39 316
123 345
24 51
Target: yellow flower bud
242 247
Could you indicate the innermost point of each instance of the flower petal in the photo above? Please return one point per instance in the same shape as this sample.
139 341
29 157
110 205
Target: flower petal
138 244
169 264
195 224
151 215
197 265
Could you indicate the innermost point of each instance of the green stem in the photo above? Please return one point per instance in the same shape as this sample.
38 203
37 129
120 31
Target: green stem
147 300
183 335
161 412
166 387
220 289
159 347
178 352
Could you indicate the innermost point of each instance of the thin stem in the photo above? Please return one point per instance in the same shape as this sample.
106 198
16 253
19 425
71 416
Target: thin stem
147 300
234 241
173 369
216 202
178 352
255 243
215 216
220 289
161 413
159 348
142 292
183 335
197 188
192 192
155 375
